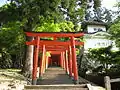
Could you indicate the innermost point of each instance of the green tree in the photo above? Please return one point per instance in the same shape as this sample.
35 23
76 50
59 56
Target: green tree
32 13
104 57
11 43
118 11
114 30
96 12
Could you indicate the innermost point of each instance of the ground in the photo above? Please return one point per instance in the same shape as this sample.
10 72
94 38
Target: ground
11 79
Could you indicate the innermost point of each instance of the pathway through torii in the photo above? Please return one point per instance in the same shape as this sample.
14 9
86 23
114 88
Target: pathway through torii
66 51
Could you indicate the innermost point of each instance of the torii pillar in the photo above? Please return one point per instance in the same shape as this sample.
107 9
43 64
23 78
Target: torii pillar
35 62
70 61
74 60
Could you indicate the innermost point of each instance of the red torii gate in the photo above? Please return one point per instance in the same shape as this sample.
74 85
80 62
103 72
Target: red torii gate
66 50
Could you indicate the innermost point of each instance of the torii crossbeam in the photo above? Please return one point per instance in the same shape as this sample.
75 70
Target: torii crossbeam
66 50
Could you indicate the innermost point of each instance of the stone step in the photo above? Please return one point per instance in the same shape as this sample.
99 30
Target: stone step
56 87
54 75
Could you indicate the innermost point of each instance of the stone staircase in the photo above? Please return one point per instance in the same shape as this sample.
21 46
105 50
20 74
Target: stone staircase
55 78
56 87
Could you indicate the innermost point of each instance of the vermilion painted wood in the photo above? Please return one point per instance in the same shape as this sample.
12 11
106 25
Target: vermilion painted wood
62 60
52 49
46 62
34 34
49 43
66 61
42 62
74 59
35 61
55 38
63 56
55 52
44 66
44 50
55 47
70 61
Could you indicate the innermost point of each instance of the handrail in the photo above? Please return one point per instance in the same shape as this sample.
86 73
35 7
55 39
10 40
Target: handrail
108 82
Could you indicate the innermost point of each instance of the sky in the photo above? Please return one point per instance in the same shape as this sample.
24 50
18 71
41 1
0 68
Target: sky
105 3
109 4
2 2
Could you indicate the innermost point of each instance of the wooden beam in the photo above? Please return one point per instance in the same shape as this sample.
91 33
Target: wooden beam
55 52
49 43
54 34
55 49
115 80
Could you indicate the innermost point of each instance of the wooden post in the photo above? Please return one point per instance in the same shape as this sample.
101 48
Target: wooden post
35 62
70 61
44 66
44 52
63 56
74 60
66 61
47 62
42 61
61 60
107 83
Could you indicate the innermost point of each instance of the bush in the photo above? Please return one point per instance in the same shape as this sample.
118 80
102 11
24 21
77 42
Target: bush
5 59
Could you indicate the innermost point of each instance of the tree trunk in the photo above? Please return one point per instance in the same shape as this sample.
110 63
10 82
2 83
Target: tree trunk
81 56
28 61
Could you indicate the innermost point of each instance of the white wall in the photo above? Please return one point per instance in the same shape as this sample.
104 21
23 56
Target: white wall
96 43
90 28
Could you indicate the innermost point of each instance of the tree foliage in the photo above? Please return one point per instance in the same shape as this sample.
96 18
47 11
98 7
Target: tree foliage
39 15
104 57
98 13
5 59
114 30
9 12
66 26
11 43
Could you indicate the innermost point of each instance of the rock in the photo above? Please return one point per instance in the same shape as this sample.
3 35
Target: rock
4 87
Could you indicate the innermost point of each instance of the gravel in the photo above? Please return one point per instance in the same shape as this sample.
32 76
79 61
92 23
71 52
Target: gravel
11 80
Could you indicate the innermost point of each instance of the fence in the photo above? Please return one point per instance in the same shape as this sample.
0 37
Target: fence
108 82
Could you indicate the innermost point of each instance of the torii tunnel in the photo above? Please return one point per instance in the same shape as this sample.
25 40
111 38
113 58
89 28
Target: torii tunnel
62 53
